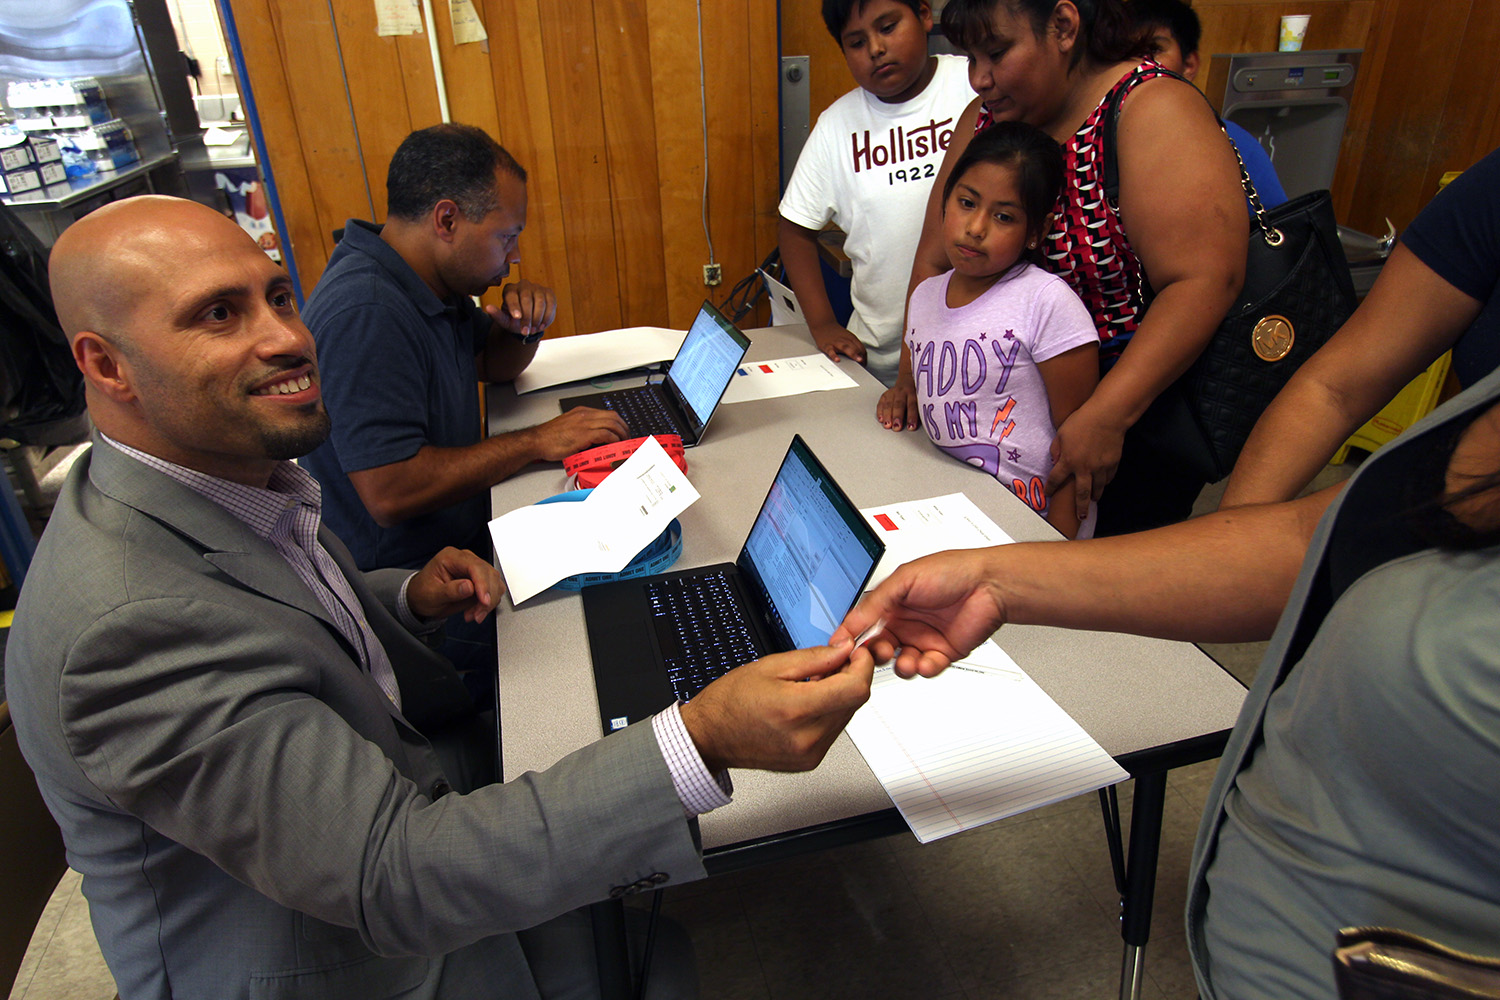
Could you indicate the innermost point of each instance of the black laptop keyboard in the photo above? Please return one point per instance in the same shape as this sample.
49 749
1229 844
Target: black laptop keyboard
699 626
644 412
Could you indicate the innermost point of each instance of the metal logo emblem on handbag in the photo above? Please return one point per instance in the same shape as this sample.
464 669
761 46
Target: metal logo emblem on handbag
1272 338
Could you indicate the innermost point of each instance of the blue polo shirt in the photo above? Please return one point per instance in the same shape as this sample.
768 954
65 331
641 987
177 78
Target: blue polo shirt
398 372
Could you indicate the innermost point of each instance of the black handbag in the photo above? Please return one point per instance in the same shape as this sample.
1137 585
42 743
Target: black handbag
1377 963
1297 292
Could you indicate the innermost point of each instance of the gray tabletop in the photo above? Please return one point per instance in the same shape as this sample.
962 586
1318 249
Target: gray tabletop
1131 694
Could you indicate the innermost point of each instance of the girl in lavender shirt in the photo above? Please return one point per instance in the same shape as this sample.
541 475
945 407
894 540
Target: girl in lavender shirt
1001 350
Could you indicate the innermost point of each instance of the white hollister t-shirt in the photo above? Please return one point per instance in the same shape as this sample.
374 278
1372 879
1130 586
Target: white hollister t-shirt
868 167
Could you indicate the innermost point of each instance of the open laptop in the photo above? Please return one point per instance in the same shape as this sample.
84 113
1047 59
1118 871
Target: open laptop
785 309
805 563
685 400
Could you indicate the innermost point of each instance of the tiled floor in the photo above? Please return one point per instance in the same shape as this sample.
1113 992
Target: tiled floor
64 962
1023 909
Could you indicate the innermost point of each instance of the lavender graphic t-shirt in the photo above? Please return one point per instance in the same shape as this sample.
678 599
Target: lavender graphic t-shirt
981 394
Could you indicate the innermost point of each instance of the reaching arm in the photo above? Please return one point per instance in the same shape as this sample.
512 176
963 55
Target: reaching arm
1070 378
799 252
1410 317
1181 201
1220 578
437 477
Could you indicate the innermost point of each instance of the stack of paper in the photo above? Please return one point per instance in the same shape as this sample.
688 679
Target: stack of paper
981 741
918 528
573 359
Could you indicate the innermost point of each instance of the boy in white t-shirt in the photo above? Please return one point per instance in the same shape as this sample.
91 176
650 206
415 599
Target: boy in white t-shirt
867 167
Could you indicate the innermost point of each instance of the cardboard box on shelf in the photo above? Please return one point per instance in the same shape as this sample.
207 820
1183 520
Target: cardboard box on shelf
17 181
16 157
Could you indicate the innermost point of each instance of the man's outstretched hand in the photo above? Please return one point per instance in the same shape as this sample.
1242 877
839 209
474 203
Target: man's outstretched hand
782 712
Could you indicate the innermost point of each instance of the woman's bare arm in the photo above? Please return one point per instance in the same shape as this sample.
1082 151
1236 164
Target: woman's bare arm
1409 318
1184 212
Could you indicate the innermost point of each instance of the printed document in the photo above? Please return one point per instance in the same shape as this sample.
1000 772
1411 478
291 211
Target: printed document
786 377
981 741
918 528
540 544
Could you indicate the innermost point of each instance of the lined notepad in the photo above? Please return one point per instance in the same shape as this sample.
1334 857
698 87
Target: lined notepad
979 742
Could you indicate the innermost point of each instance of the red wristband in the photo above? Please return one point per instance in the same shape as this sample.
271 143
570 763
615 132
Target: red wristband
592 465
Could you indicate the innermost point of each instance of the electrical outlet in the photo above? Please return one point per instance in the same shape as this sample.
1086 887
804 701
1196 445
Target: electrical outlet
221 64
713 274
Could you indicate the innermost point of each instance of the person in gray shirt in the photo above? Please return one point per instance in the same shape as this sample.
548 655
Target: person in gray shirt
1358 786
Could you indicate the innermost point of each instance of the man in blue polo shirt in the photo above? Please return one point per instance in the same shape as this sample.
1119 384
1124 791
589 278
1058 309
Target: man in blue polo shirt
402 347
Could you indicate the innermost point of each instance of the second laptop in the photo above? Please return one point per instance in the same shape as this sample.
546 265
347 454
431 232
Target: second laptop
685 400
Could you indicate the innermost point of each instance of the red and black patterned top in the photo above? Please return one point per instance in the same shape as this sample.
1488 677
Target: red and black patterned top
1087 245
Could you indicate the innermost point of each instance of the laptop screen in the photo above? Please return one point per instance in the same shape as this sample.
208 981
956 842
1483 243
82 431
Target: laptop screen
810 552
707 360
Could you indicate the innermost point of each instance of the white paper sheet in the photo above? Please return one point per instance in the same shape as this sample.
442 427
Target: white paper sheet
589 355
917 528
979 742
540 544
785 309
465 21
786 377
398 17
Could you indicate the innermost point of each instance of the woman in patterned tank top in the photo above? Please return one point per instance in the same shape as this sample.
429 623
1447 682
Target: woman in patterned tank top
1179 233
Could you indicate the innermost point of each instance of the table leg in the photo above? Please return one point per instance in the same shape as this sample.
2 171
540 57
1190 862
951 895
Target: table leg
611 949
1140 879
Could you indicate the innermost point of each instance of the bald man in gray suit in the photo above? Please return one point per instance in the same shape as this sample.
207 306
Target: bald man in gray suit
215 701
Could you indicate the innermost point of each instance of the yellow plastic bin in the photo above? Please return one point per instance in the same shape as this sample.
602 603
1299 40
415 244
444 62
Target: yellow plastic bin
1411 404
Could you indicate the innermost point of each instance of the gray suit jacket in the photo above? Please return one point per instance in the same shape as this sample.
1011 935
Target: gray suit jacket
1354 536
251 816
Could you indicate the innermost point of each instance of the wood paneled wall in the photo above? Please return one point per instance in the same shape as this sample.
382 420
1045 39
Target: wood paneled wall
1424 102
598 99
1437 106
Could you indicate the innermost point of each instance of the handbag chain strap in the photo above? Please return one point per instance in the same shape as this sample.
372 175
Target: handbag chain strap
1269 233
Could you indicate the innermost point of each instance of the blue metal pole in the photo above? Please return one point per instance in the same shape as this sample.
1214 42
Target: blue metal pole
252 119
